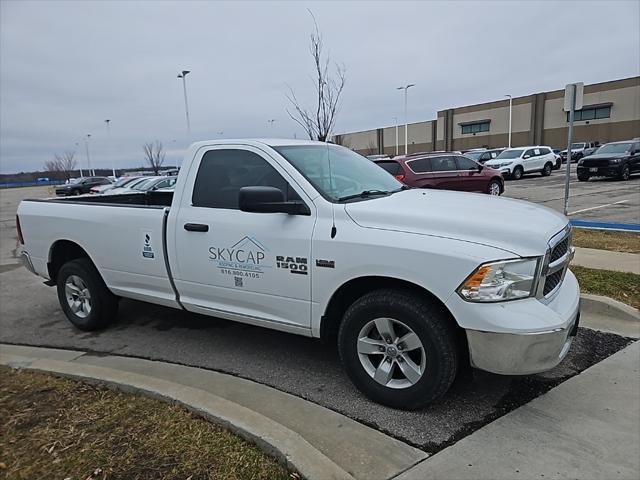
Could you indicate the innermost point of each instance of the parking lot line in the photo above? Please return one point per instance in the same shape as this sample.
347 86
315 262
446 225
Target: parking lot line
596 207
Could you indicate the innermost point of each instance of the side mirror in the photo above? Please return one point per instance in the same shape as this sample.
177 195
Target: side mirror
527 156
269 200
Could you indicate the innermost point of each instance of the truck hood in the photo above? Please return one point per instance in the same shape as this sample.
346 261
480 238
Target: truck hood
605 156
516 226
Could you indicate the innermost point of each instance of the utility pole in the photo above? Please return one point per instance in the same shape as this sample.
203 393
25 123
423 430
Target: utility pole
77 147
406 134
183 76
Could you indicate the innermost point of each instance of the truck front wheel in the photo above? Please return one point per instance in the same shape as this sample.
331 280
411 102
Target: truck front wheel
398 348
83 296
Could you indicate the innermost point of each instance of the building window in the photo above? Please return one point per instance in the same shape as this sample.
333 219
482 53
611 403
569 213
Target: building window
475 127
591 113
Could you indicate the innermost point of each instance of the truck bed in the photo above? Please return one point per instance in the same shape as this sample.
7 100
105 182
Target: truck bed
142 199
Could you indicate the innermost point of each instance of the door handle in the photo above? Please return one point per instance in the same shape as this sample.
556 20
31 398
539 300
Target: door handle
196 227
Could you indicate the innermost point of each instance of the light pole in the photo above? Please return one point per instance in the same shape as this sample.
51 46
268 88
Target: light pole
113 169
395 119
86 145
510 108
183 76
77 147
406 135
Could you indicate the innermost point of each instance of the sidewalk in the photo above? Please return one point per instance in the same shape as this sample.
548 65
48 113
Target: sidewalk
607 260
587 427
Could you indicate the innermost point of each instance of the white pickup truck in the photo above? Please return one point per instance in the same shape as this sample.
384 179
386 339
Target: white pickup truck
314 239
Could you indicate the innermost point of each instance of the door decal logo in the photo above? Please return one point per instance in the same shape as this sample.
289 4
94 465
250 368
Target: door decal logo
246 258
147 245
293 264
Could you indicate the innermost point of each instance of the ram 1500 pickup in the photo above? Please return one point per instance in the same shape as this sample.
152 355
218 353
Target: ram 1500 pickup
314 239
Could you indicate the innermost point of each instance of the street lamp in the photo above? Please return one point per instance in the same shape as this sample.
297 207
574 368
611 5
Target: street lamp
183 76
113 169
86 145
406 135
77 144
395 119
510 108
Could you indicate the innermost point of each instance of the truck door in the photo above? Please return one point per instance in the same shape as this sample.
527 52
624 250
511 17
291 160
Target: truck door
232 263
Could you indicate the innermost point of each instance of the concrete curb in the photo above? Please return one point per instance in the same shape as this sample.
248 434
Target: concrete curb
373 454
608 307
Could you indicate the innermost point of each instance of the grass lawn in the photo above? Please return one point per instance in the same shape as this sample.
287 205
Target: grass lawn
624 287
607 240
58 429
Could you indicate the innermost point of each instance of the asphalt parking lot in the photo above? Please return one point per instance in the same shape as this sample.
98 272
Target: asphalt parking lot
30 315
599 199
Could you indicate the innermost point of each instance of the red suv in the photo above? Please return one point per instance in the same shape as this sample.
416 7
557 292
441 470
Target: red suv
445 171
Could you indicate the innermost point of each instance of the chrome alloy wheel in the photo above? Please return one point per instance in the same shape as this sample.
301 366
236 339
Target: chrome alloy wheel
78 296
391 353
494 188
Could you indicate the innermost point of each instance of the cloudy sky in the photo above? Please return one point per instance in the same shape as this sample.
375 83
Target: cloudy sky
65 67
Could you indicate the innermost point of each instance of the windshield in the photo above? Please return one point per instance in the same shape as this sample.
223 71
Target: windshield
474 155
337 172
145 184
577 145
615 148
509 154
124 181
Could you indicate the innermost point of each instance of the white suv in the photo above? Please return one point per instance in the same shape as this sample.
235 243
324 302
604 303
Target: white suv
515 162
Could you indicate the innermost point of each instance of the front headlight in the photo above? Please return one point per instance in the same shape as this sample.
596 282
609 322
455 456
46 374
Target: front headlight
615 160
580 162
499 281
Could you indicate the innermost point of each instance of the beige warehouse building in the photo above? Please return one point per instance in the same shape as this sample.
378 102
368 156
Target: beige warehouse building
611 112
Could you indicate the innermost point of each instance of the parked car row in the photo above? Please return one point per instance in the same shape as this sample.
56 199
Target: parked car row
102 185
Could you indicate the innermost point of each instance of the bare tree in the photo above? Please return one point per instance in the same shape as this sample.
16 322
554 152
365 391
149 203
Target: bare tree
372 148
154 155
65 164
319 121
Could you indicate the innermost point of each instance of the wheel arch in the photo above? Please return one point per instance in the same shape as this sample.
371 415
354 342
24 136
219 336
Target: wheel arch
63 251
355 288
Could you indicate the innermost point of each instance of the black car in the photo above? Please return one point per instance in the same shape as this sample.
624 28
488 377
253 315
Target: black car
82 185
615 159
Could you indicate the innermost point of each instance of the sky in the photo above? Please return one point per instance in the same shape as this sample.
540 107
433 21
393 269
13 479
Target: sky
65 67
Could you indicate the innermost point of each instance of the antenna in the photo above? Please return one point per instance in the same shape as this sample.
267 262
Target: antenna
333 213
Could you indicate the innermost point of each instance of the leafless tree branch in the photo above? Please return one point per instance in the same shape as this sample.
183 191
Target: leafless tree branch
65 164
154 155
319 121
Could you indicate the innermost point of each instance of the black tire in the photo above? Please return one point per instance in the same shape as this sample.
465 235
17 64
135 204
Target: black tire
494 185
76 192
104 304
517 173
583 178
546 171
427 320
625 172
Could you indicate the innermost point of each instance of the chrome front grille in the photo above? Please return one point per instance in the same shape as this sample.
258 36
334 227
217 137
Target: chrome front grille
556 262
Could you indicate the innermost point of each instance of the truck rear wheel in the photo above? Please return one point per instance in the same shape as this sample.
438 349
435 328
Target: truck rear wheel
83 296
398 348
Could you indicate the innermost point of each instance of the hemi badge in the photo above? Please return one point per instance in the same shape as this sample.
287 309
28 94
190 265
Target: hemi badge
326 263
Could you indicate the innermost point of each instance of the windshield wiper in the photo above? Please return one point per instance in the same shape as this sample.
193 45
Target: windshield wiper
364 194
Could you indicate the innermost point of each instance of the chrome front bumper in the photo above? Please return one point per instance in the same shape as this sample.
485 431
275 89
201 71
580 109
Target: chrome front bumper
26 261
522 353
